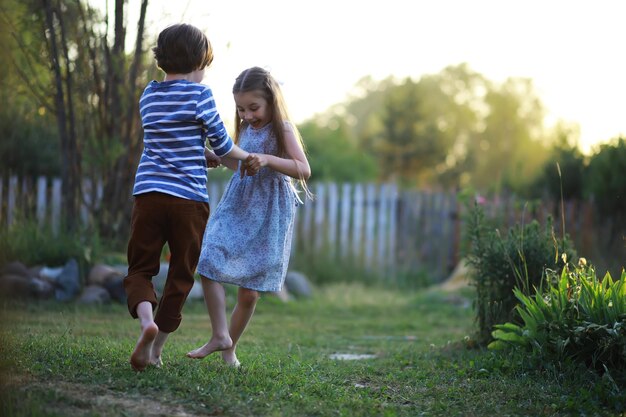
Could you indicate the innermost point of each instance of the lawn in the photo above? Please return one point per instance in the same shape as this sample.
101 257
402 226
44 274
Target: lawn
72 360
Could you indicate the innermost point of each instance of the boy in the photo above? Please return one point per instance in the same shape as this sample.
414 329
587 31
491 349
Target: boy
171 199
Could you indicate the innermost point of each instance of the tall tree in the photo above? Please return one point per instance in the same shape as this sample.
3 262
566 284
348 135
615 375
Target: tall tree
512 147
28 146
71 174
451 129
95 101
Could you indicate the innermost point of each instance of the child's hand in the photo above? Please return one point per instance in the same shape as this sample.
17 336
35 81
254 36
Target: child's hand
254 163
212 160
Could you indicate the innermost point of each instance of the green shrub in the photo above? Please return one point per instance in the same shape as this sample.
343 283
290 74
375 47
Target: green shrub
501 263
27 242
605 180
577 317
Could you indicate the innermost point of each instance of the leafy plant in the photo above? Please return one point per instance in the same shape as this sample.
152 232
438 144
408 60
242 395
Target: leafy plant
502 263
578 317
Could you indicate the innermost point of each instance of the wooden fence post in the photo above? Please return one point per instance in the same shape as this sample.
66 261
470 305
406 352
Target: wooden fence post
11 197
331 218
320 208
56 205
370 223
357 224
42 200
344 229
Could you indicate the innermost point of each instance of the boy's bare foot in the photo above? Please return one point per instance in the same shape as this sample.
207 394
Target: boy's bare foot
230 358
140 358
156 361
214 345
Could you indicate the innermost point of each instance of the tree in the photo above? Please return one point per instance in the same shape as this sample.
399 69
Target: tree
333 155
606 183
510 149
563 173
95 93
28 146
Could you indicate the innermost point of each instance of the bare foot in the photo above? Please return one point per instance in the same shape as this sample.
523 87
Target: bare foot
230 358
156 361
140 357
213 345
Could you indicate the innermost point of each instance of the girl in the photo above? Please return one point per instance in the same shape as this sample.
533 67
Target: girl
247 241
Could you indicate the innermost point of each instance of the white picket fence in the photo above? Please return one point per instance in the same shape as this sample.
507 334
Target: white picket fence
381 228
39 199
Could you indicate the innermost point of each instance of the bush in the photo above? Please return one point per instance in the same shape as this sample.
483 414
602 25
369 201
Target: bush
501 263
577 317
605 179
25 241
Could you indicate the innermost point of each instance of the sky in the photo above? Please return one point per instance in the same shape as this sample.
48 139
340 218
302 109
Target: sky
573 50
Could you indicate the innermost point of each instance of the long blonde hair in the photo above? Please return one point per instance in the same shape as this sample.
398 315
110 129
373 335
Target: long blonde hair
258 79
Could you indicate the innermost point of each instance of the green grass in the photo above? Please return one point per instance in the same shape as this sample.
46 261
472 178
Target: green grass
66 359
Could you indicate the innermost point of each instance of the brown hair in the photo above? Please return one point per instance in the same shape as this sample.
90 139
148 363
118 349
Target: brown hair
258 79
182 49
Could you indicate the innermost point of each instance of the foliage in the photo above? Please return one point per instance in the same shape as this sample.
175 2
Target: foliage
27 242
450 129
577 317
563 174
28 146
68 62
334 156
501 263
511 148
605 179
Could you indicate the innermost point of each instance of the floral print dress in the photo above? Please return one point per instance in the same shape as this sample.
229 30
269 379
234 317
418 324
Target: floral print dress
247 241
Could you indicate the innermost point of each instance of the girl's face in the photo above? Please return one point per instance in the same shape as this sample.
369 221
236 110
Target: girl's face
253 108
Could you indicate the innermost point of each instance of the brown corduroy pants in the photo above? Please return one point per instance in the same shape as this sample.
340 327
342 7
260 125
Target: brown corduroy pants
157 219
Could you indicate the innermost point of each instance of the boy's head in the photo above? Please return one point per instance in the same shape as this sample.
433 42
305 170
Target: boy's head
182 49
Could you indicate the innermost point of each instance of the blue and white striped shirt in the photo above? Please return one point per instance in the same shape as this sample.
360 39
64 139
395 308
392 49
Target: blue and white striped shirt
177 117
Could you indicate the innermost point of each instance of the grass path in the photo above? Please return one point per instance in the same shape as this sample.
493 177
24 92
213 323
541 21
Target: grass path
65 359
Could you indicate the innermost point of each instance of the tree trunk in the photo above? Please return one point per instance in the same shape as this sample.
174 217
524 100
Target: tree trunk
123 124
68 156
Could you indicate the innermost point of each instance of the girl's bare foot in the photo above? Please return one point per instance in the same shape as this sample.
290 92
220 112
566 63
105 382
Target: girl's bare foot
140 358
214 345
230 358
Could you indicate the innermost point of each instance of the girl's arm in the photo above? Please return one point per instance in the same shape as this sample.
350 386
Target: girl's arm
295 165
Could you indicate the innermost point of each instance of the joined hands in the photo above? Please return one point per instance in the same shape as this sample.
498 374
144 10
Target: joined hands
252 164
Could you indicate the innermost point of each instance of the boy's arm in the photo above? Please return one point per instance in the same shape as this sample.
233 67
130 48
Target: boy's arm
236 153
230 163
212 160
219 140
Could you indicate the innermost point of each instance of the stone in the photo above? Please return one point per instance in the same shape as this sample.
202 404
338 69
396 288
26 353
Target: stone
20 286
100 274
94 294
68 282
298 284
16 268
115 287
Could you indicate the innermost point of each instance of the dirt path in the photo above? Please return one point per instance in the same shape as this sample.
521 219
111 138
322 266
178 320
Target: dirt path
72 399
